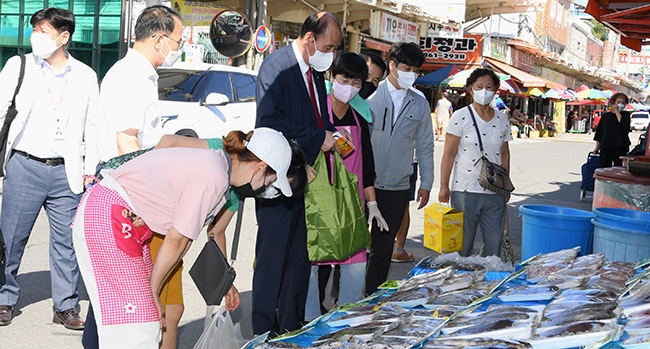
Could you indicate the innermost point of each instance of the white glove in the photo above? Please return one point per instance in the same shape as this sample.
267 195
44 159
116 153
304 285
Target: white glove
373 213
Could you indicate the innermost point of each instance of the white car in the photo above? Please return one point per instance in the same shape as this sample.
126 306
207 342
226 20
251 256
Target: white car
206 100
639 120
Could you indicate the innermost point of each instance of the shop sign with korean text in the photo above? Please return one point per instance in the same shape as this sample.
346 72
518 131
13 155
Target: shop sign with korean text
441 30
200 13
393 29
465 50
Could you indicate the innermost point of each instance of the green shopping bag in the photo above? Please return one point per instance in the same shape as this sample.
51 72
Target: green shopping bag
336 223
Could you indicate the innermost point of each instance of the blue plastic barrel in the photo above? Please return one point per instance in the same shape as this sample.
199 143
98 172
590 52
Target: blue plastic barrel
621 244
553 228
623 218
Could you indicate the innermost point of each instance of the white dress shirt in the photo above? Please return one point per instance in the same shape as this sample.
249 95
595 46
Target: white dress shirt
45 127
304 67
129 98
397 95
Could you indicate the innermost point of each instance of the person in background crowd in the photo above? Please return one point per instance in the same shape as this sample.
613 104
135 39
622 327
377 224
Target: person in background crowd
291 98
499 104
518 120
569 120
51 146
347 74
402 125
130 121
115 219
481 207
442 113
376 73
612 134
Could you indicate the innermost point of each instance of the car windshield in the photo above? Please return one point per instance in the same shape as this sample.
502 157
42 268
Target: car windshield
640 116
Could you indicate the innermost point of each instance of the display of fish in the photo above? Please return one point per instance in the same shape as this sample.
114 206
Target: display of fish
506 308
561 305
645 313
455 260
414 329
475 343
391 342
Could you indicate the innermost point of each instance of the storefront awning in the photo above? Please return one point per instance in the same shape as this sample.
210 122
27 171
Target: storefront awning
626 17
527 80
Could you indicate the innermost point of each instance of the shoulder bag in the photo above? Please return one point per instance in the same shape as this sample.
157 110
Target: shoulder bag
9 118
211 272
336 223
493 177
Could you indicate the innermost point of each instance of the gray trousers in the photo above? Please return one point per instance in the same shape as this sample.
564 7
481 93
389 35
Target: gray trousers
484 211
28 186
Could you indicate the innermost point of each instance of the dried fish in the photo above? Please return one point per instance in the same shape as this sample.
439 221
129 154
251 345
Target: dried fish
363 333
639 324
536 271
485 326
277 345
484 343
458 282
639 314
435 278
412 294
458 298
577 328
566 317
590 294
603 283
637 340
487 317
591 261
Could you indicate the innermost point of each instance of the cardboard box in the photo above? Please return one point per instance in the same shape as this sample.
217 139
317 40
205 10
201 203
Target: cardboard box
443 228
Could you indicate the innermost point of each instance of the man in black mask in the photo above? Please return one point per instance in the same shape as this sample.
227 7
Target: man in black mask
376 73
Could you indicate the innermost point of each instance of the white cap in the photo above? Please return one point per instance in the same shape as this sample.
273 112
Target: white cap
273 148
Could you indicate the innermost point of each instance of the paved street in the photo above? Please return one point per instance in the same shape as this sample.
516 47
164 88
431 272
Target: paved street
544 171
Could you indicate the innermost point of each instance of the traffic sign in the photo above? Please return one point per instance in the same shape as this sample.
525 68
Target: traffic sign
262 38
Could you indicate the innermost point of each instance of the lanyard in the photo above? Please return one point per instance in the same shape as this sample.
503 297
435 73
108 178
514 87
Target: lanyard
55 106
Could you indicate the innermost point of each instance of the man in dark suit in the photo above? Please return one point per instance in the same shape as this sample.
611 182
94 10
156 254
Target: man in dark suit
291 98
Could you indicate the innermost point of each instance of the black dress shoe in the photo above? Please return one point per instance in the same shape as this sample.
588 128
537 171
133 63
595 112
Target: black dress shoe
6 314
69 318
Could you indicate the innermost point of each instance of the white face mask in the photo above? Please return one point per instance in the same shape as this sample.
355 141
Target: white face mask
405 79
621 106
171 57
42 46
344 93
320 61
484 96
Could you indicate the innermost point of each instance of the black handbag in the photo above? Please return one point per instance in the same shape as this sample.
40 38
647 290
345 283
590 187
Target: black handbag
211 272
9 117
493 177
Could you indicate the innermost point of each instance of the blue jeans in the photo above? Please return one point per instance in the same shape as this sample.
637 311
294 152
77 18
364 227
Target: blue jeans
28 186
353 278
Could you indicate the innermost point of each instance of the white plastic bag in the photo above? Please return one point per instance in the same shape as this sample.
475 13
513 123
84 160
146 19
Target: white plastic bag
219 331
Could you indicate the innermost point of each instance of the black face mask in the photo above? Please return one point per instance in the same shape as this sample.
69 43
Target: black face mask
246 190
367 89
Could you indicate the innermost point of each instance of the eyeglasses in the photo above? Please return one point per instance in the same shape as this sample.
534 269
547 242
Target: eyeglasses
180 42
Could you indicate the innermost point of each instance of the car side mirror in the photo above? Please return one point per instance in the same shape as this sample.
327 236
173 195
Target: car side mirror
216 99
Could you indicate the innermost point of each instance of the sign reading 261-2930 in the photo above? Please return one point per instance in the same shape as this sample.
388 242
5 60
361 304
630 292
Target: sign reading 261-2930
262 39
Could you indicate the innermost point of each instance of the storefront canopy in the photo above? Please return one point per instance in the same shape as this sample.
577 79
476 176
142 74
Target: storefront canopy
627 17
436 77
527 80
483 8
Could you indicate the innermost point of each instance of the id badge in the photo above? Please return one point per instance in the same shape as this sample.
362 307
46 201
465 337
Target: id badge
59 131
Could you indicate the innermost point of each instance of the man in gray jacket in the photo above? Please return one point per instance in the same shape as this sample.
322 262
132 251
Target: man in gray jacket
402 123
